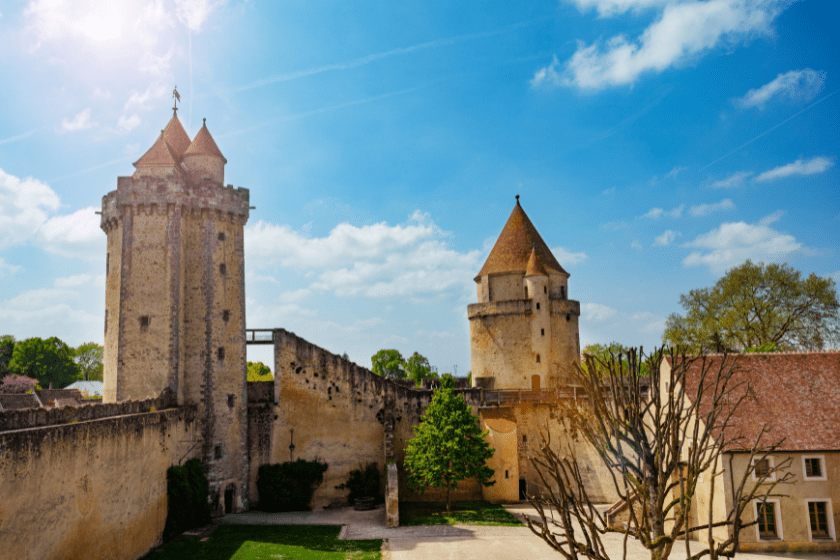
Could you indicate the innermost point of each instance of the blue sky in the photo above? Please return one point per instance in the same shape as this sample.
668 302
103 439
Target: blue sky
654 143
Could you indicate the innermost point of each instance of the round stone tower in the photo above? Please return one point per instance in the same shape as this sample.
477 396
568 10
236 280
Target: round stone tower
175 296
524 329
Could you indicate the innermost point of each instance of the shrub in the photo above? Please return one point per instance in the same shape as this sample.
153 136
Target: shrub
289 486
187 489
363 483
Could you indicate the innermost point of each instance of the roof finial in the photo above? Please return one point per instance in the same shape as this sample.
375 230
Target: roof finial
204 120
517 200
176 97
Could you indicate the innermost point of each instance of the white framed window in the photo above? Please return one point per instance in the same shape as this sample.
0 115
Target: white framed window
820 519
763 465
813 467
768 514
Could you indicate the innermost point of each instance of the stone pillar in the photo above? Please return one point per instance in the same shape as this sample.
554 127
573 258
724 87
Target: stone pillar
392 490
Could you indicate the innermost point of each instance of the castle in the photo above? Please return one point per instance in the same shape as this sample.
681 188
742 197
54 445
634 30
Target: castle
175 376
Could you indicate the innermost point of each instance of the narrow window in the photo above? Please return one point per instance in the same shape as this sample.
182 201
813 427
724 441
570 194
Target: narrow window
106 321
813 468
225 315
230 400
506 474
222 268
766 520
221 236
819 520
107 263
218 452
538 358
144 323
524 438
538 306
220 353
526 292
545 289
562 292
542 332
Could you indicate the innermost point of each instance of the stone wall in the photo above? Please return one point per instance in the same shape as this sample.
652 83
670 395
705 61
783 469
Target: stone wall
92 487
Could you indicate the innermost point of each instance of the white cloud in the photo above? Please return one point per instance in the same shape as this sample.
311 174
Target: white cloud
39 298
193 13
615 7
666 238
798 167
128 124
80 280
24 206
154 92
45 311
636 245
76 235
376 260
797 85
674 172
733 243
157 66
79 122
703 209
597 312
6 268
685 31
733 181
567 258
656 213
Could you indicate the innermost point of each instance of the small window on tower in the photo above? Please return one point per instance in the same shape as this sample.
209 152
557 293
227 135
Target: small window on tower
220 353
542 332
106 321
221 236
562 292
524 438
538 306
545 289
526 292
144 323
222 268
225 315
107 263
538 358
218 452
230 400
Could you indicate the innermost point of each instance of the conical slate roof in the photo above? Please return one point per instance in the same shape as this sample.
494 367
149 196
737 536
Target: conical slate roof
203 144
514 246
176 137
159 155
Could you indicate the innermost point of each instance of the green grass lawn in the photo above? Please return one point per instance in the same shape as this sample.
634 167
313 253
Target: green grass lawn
257 542
467 513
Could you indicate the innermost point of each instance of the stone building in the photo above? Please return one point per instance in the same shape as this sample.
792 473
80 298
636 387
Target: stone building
175 296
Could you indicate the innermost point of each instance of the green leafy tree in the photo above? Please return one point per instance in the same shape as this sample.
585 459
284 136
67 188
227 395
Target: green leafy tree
7 346
758 304
258 371
49 361
389 364
418 368
448 445
88 357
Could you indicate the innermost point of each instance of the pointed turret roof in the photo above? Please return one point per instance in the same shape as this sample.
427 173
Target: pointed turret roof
513 249
176 137
159 155
535 267
203 144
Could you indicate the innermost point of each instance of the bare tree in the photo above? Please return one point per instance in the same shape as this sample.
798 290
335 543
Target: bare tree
656 441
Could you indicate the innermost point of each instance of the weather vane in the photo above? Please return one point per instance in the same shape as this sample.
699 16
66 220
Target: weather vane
176 97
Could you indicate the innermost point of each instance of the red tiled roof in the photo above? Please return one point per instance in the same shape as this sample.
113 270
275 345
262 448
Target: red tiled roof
203 144
796 394
159 155
534 267
176 137
513 248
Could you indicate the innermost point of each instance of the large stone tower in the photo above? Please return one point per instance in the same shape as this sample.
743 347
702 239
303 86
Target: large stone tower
524 329
175 296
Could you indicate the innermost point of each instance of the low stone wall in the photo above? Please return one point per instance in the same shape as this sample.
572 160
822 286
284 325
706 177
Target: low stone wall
89 487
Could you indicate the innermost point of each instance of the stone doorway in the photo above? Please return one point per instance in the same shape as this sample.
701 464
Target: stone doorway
230 494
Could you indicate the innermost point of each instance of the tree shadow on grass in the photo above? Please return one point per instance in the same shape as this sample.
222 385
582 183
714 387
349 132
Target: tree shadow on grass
252 542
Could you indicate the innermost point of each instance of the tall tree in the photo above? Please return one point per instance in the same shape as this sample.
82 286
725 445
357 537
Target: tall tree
88 357
258 371
758 304
7 346
49 361
418 368
389 364
657 434
448 445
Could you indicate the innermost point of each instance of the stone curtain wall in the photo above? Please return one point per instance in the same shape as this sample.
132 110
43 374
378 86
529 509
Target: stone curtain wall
334 410
91 487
